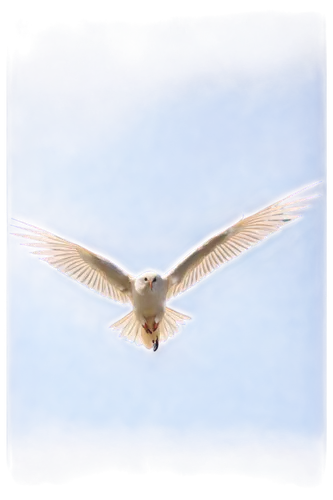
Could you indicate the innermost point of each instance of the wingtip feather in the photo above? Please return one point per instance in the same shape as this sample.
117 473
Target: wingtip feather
17 220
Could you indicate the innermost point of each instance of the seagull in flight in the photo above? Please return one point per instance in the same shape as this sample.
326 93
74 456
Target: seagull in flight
150 320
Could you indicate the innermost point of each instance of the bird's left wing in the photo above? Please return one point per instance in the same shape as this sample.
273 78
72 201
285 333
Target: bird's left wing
78 263
233 241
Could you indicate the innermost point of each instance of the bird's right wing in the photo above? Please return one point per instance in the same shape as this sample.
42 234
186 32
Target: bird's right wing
88 268
233 241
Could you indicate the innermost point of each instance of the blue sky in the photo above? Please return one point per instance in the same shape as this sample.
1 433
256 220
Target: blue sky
138 142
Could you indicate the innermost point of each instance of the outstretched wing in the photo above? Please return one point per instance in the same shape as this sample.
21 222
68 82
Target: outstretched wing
233 241
78 263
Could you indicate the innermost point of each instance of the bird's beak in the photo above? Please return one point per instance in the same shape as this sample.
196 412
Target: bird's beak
151 284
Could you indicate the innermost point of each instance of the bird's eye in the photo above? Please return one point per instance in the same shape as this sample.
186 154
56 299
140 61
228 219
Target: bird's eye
154 279
146 279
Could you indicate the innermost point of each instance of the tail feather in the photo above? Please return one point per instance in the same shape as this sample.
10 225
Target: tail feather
180 317
122 322
130 327
171 322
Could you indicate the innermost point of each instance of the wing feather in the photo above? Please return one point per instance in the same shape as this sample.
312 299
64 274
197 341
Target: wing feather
78 263
230 243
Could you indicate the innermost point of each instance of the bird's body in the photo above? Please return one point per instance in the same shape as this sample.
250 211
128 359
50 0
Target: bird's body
148 296
151 320
149 302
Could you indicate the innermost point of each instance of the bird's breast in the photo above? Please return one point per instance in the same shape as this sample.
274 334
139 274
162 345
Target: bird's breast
149 303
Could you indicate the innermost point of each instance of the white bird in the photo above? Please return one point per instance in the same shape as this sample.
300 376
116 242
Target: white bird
151 320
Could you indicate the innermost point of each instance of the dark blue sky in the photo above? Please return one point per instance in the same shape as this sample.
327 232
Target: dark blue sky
140 150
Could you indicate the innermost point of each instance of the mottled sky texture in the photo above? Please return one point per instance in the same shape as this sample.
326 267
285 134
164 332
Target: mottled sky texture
138 142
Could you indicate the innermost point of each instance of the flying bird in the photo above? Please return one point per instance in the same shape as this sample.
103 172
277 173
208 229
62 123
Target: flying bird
150 320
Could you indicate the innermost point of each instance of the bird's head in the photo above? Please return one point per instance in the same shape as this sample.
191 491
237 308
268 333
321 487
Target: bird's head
149 281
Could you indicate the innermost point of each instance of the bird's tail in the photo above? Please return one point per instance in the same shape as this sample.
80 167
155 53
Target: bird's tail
130 327
171 322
